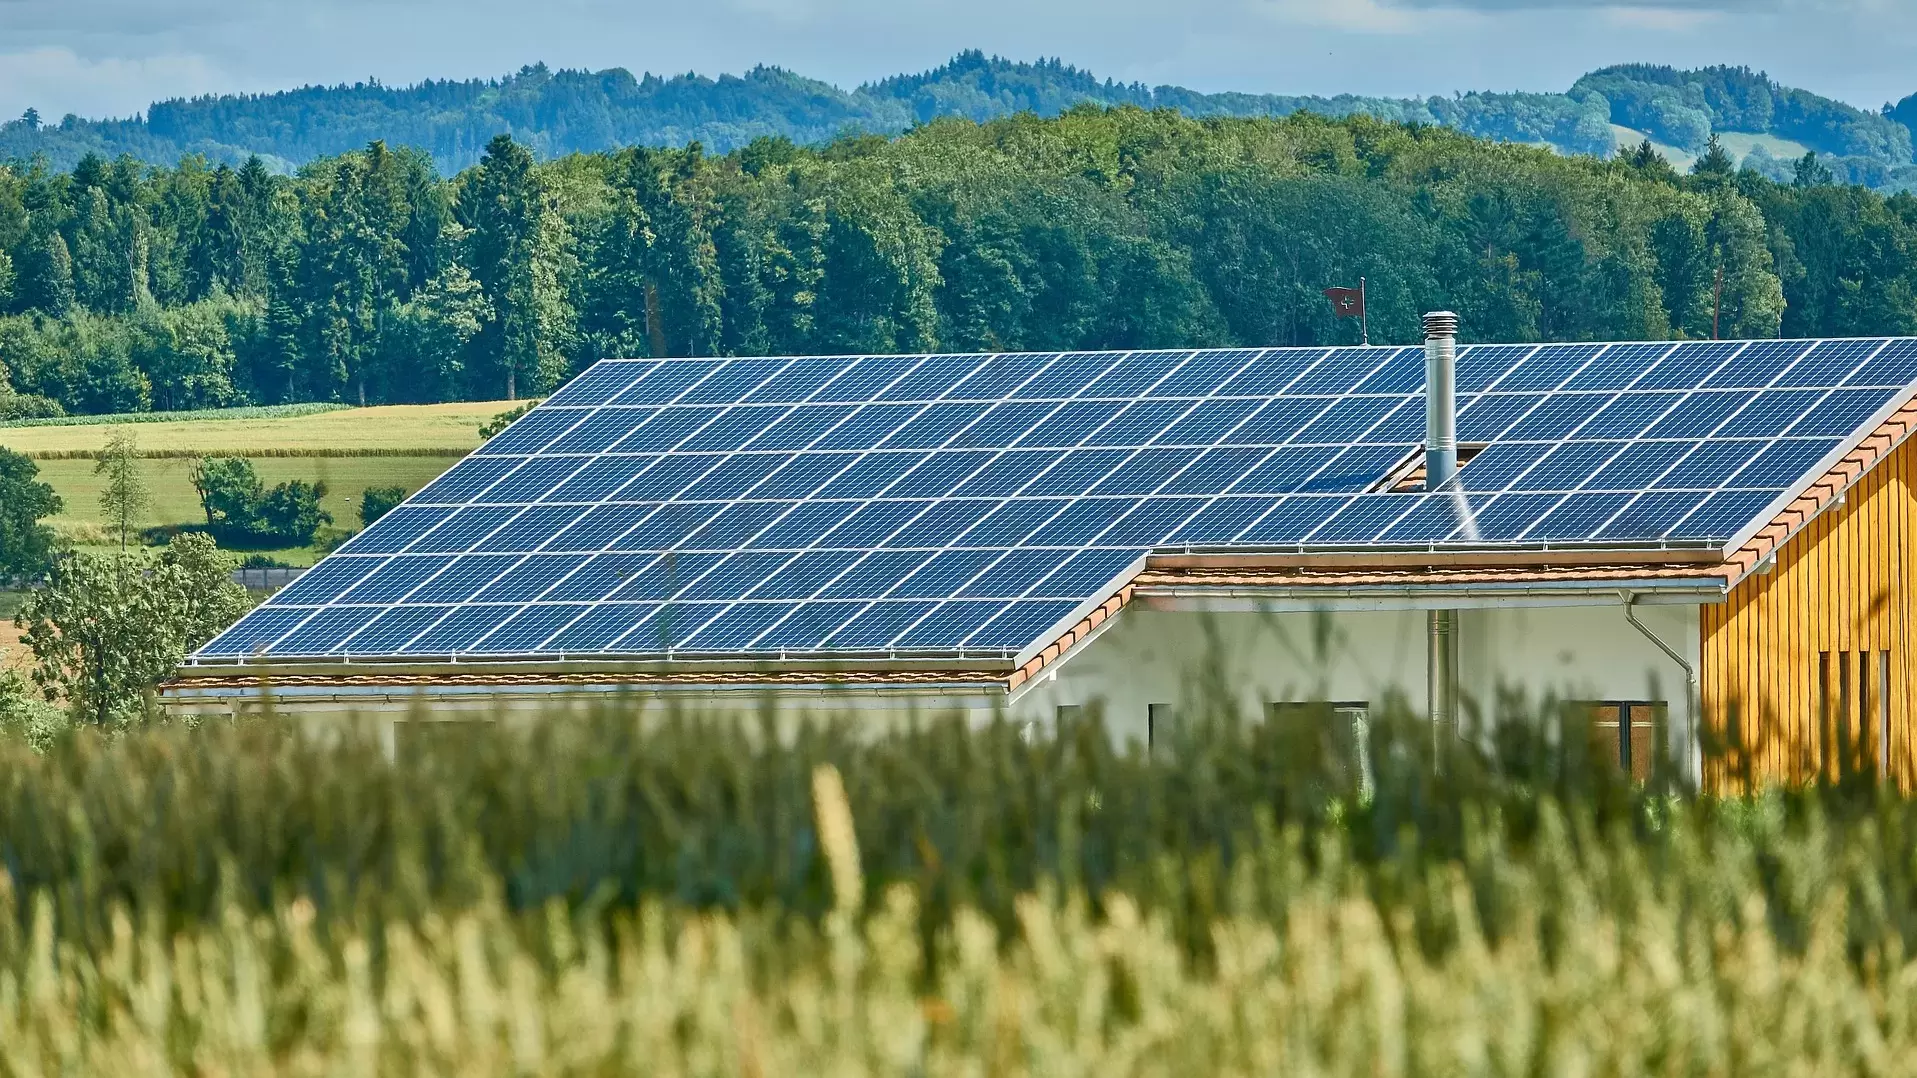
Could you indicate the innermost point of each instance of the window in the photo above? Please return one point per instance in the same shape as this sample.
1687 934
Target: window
1158 722
1344 729
1627 732
1853 713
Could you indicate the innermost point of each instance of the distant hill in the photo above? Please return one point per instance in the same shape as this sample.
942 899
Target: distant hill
559 112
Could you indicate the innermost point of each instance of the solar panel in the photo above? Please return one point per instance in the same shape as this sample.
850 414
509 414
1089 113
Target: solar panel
948 502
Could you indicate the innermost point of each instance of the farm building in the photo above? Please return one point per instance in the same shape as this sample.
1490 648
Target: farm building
1687 537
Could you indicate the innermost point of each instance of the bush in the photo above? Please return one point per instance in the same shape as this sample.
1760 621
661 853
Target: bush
376 502
239 508
230 494
58 418
25 716
19 407
290 513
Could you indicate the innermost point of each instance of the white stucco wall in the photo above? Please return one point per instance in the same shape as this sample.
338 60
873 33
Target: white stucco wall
1145 657
1162 657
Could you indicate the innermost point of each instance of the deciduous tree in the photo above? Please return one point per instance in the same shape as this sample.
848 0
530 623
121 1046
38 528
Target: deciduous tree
107 628
124 496
26 545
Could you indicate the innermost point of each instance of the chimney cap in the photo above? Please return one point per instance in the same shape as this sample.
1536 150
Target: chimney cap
1440 324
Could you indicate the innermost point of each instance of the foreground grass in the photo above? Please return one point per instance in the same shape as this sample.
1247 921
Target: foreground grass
1333 989
624 893
422 429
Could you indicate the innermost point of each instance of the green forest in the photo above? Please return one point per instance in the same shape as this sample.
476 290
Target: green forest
370 277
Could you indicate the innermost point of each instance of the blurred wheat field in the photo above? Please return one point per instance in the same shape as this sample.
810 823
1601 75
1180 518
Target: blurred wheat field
605 894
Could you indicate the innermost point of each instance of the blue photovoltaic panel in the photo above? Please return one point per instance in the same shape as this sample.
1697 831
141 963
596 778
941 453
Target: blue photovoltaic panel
948 502
389 632
398 529
461 578
256 631
602 383
466 479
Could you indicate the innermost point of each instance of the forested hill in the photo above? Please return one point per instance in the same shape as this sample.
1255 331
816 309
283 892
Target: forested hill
370 278
560 112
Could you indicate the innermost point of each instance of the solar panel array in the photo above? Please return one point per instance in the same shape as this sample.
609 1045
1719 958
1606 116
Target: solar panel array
971 503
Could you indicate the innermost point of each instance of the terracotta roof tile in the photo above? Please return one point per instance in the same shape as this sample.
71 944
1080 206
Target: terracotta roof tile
1308 578
804 679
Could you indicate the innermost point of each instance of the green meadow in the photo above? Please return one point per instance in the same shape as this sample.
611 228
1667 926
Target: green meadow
347 449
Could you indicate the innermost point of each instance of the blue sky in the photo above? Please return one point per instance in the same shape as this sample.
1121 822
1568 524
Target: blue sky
111 57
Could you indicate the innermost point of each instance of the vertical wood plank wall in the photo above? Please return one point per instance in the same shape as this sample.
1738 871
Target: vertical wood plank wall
1839 586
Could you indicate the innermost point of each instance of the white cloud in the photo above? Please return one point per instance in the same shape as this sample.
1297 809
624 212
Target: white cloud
1361 16
1667 20
58 81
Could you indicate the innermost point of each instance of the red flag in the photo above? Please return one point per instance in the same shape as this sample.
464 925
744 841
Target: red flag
1346 302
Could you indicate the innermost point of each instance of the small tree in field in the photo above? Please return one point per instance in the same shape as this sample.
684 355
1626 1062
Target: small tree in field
230 493
124 498
108 627
239 507
376 502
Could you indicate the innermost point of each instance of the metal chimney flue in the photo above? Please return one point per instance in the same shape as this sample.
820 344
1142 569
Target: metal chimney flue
1440 467
1441 399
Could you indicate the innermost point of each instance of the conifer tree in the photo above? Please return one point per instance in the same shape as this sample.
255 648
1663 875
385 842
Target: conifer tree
517 248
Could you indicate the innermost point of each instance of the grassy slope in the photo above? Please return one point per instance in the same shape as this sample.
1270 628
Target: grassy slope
1628 139
333 448
174 501
1739 144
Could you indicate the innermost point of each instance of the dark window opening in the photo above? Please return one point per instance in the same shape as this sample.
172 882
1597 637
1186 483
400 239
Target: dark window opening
1337 732
1853 713
1626 733
1158 722
1408 476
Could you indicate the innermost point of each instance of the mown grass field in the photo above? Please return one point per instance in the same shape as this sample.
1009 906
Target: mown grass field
348 450
398 429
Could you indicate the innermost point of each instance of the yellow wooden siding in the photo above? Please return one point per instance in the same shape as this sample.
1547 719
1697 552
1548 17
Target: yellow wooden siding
1837 590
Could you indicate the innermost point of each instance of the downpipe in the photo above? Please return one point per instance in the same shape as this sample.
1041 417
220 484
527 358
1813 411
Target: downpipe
1692 687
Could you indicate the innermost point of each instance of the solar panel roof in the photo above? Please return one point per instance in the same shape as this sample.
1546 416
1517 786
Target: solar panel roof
958 504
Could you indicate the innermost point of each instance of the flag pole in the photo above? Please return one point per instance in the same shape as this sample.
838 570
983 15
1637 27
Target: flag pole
1364 316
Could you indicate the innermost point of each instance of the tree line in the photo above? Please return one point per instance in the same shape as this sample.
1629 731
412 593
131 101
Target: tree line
367 277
